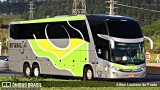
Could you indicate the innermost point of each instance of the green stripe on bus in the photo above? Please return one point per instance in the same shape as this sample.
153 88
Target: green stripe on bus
56 19
125 67
73 62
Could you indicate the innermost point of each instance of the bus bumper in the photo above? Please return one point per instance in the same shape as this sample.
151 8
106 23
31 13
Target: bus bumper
119 74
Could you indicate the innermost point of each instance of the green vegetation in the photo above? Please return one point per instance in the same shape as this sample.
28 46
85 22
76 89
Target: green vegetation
10 18
18 79
153 31
64 7
99 88
3 35
74 84
5 20
102 88
1 20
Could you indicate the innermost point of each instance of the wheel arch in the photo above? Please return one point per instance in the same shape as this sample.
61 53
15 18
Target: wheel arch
27 62
89 65
37 63
24 69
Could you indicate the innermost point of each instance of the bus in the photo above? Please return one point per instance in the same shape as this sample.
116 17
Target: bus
88 46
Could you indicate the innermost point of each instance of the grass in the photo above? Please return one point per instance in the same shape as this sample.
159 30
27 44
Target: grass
102 88
91 85
9 18
97 88
16 78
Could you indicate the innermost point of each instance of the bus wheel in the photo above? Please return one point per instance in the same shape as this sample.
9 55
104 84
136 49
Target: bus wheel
27 71
36 71
88 73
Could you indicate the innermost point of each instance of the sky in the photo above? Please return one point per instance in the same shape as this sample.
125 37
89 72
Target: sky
2 0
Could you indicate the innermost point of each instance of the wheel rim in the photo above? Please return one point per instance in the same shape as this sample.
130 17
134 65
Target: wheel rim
28 71
36 72
89 74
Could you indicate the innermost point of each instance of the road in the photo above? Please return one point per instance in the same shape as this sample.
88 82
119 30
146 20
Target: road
10 73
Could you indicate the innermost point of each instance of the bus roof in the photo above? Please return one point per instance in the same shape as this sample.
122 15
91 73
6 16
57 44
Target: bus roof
54 19
73 18
112 17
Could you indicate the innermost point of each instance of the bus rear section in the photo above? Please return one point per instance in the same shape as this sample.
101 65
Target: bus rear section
53 46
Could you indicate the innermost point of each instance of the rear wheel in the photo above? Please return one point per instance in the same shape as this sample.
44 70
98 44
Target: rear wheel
36 71
88 73
27 71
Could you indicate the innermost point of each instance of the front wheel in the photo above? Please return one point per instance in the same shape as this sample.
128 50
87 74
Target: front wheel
36 71
88 73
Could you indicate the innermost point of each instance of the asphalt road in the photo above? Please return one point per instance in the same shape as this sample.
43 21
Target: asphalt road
149 78
10 73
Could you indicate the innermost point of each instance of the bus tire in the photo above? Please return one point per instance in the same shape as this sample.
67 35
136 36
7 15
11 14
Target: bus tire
36 71
27 71
88 73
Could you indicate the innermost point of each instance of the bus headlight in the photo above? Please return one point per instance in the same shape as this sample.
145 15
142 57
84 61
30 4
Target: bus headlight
114 73
143 68
118 69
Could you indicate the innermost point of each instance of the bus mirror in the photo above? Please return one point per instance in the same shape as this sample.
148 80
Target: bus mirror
106 37
150 40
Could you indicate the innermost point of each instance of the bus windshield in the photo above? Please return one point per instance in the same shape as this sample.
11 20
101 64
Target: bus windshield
125 53
124 29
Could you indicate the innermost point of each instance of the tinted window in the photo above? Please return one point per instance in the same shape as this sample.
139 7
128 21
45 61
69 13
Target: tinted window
22 31
98 26
124 29
55 30
39 30
81 26
103 49
13 31
62 29
30 30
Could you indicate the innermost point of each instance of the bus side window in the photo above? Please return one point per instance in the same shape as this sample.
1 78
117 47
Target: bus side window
30 30
57 30
81 26
102 52
13 31
99 50
21 31
106 54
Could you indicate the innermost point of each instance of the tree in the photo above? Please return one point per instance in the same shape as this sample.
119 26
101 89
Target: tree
1 20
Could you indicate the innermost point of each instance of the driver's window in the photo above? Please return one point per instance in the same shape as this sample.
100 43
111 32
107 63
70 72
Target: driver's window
102 51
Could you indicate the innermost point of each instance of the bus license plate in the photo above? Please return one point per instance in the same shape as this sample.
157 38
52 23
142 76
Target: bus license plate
131 76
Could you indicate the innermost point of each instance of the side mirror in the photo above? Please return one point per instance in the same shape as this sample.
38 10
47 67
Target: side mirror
151 41
106 37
